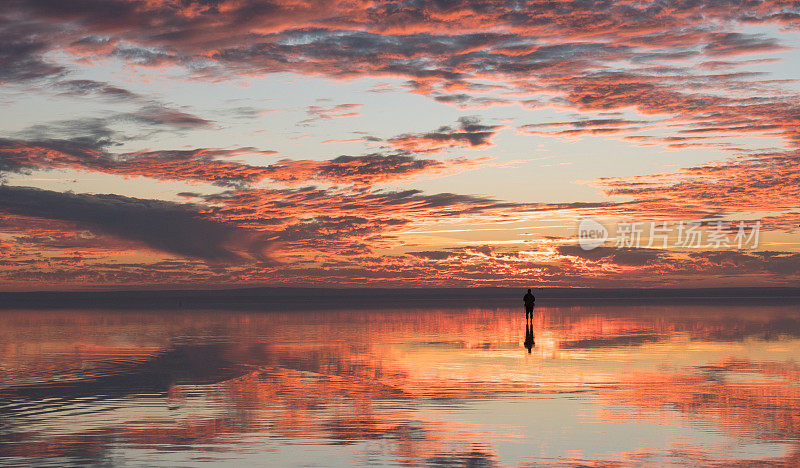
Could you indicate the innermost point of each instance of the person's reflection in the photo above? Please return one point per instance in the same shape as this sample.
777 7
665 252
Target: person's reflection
529 343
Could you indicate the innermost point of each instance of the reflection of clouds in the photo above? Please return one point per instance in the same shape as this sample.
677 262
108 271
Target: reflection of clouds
343 377
612 342
751 406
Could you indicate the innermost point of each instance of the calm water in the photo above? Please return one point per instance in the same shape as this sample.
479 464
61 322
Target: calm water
603 385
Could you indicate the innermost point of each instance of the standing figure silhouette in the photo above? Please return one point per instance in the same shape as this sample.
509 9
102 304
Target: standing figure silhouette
530 301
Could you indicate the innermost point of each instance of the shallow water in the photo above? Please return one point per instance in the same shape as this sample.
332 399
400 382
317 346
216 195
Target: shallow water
603 385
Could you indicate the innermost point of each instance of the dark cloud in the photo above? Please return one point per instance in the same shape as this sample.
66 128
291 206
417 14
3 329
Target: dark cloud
22 48
434 254
102 132
731 44
98 88
164 116
586 127
470 132
620 256
161 225
76 135
365 170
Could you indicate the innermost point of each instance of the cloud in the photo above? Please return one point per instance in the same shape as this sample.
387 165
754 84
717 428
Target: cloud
98 88
470 133
466 101
181 165
585 127
336 223
714 263
366 170
760 182
434 254
160 225
339 111
207 164
731 44
585 57
104 132
573 53
23 45
156 115
619 256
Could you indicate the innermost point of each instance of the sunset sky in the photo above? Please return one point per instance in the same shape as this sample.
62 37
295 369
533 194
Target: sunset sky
221 143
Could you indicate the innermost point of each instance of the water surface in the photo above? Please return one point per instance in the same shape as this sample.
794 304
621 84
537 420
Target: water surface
609 384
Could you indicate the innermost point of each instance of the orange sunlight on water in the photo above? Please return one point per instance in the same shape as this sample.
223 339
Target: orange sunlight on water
603 384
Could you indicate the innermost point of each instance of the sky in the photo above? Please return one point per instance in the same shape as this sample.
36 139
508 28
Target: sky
223 143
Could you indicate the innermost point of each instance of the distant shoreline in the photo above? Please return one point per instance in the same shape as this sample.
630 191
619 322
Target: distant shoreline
310 298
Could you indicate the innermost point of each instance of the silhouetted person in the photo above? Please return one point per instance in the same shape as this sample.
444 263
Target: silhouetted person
530 301
529 343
